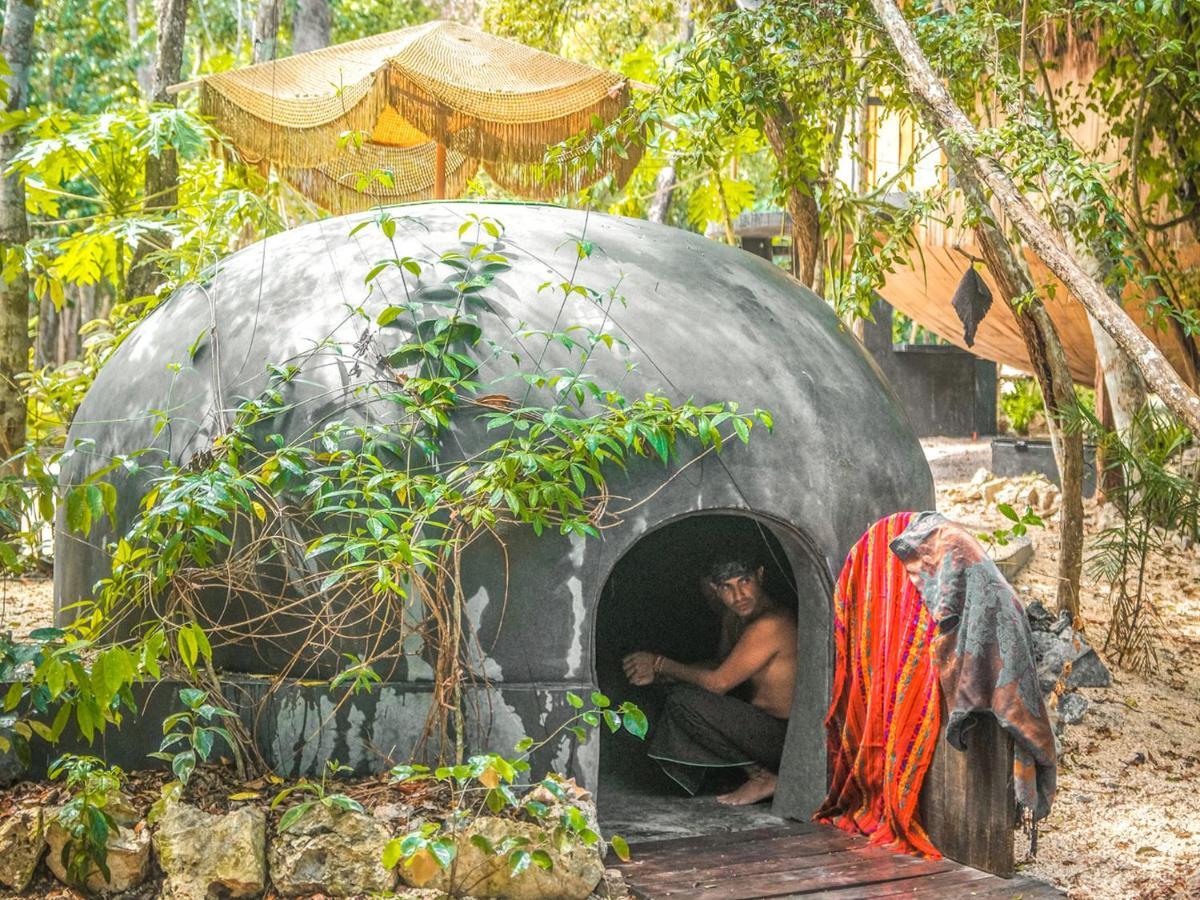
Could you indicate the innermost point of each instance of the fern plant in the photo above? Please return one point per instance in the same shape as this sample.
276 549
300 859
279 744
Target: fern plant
1159 502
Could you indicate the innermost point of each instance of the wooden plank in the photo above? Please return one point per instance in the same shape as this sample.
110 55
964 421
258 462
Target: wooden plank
957 882
967 804
1013 888
823 841
765 860
732 837
732 886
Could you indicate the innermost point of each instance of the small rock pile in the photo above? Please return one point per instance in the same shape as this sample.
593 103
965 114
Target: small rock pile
1032 491
1065 663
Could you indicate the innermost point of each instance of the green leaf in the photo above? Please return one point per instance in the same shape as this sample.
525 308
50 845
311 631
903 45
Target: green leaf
79 516
574 700
391 854
192 697
634 720
183 765
619 847
1008 512
518 862
295 813
444 850
542 860
598 699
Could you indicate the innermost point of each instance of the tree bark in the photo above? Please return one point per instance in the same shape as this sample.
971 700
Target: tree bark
945 118
1041 339
801 202
266 30
1050 366
664 190
668 175
312 25
162 171
16 45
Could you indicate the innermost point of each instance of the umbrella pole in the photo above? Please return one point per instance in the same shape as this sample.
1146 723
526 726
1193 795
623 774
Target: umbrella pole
439 172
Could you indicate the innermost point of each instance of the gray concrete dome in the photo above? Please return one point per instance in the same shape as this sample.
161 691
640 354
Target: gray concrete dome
701 320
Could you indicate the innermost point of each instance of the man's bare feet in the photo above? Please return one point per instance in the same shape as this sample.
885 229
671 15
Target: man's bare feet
758 787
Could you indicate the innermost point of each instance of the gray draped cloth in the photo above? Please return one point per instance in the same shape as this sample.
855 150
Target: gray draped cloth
698 730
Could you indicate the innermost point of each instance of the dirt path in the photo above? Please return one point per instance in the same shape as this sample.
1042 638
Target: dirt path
26 604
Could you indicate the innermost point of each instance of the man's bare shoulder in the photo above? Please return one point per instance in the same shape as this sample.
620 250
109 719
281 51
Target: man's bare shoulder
771 625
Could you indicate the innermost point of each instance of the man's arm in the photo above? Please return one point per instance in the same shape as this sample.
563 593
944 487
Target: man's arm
749 656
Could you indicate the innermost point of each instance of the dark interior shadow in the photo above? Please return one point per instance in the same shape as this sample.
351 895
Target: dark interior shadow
653 601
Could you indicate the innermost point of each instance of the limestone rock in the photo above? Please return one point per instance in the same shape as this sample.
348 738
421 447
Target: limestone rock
21 847
576 872
1063 646
1012 557
1039 617
333 852
128 857
205 855
1088 670
613 887
1071 708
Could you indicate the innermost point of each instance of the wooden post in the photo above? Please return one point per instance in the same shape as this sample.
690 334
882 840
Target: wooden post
439 172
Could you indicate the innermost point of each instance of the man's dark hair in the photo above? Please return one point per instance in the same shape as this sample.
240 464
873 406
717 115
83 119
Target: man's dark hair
732 565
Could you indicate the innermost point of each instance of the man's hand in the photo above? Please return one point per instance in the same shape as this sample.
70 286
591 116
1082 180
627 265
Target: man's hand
639 668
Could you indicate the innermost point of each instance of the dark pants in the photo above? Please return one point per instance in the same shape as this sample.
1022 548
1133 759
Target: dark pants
699 730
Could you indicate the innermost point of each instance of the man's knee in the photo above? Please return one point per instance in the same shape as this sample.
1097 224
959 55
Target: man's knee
690 703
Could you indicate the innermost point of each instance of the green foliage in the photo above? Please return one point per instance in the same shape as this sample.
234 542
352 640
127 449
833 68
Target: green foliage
489 783
85 189
60 675
198 739
1020 525
85 817
1021 403
354 19
1159 502
315 793
360 676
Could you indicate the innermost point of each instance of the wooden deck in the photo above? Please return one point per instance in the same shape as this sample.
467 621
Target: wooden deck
804 860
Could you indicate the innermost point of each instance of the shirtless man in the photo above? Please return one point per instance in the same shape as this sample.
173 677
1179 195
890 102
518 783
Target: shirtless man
702 727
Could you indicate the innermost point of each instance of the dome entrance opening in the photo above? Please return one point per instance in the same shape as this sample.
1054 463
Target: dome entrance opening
653 600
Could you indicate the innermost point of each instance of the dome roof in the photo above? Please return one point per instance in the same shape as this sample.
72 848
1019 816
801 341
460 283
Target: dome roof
691 318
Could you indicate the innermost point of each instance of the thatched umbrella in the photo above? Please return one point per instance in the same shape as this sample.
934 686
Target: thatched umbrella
412 114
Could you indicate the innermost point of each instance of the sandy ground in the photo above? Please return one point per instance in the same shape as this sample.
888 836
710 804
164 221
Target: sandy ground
1126 822
25 604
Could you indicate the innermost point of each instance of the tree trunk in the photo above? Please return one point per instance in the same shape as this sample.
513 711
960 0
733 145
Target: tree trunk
162 171
664 190
1037 328
312 25
943 117
668 176
16 45
801 203
266 30
1050 366
45 348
